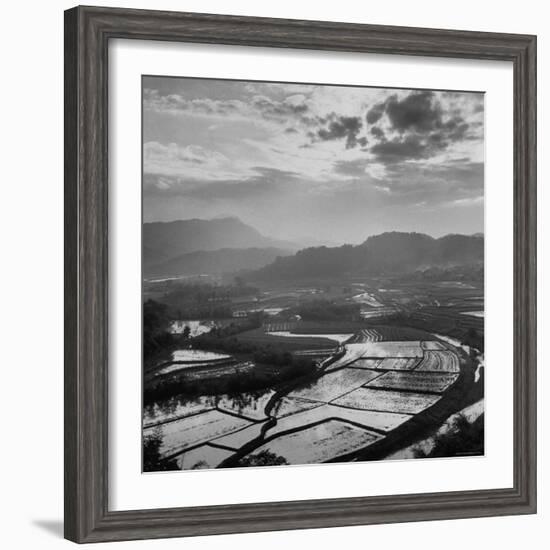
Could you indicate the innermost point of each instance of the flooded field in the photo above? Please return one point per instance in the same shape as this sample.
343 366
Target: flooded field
196 355
293 310
195 328
320 443
340 338
363 393
369 380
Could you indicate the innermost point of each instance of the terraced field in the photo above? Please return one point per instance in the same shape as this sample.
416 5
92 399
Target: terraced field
414 381
439 361
359 397
319 443
192 431
335 383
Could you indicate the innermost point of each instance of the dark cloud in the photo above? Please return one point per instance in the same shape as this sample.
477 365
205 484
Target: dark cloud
342 127
375 113
416 112
377 132
423 128
455 129
397 150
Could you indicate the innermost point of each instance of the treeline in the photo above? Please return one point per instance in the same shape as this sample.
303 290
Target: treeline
204 292
393 252
205 300
454 273
474 339
261 354
325 310
462 439
156 325
316 262
250 380
450 327
272 365
152 461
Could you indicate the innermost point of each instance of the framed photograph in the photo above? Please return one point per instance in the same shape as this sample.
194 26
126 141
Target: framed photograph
300 264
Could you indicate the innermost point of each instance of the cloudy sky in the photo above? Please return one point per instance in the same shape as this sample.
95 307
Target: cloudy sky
310 163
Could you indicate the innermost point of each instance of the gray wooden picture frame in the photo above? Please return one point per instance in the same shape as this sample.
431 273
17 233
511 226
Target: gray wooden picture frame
87 34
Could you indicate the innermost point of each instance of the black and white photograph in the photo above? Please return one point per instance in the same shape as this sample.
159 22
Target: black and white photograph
312 273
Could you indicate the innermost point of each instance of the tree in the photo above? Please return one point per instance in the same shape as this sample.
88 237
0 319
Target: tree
152 461
264 458
462 439
156 325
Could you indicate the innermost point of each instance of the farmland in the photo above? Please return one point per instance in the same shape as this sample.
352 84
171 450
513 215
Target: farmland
339 412
319 443
299 390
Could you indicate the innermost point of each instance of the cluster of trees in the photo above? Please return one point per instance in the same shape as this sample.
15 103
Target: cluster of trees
152 461
462 439
232 329
452 327
234 383
473 339
205 300
474 272
393 252
151 454
204 292
263 458
261 354
325 310
157 317
156 325
316 262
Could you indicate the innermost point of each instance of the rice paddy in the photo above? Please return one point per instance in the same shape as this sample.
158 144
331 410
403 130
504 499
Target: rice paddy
320 443
194 430
372 382
390 401
414 381
336 383
439 361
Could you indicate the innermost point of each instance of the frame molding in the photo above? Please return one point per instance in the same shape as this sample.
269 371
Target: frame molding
87 34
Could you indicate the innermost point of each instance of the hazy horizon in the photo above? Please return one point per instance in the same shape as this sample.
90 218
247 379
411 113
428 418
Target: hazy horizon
329 243
313 163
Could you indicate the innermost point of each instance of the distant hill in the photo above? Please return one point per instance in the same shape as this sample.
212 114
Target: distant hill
164 241
214 262
393 252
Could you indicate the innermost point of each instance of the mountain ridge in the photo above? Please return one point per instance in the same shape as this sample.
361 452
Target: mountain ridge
389 252
217 262
163 241
225 245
